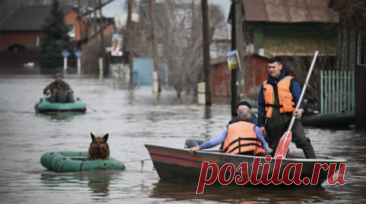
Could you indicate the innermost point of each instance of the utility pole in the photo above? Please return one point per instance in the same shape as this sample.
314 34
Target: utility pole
240 42
95 19
102 35
155 43
234 73
206 51
80 24
127 37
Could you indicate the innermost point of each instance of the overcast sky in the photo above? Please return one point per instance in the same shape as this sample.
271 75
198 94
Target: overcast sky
225 5
114 7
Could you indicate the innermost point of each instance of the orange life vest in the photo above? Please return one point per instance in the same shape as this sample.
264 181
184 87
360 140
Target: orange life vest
241 138
285 98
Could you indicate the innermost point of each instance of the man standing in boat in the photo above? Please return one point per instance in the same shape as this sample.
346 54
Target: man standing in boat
54 87
241 137
277 100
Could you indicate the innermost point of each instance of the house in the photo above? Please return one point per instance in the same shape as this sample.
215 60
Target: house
289 28
292 30
23 30
24 26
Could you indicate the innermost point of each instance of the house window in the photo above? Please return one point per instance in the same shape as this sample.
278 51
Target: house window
72 30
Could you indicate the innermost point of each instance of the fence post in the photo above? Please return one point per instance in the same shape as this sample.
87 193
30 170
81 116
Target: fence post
332 85
321 92
337 88
353 90
329 92
341 90
349 90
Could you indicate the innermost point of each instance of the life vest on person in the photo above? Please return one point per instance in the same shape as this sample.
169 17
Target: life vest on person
241 138
285 98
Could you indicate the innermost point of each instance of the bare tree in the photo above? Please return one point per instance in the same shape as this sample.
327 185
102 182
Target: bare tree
179 32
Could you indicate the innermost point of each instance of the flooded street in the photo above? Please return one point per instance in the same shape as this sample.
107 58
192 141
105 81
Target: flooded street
132 119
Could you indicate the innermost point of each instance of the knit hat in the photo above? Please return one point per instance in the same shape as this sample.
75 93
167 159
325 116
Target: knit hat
243 103
58 75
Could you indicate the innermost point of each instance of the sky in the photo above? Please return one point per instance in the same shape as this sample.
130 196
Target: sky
115 6
224 4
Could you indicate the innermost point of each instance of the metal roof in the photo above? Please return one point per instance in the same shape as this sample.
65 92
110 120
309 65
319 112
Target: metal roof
29 18
289 11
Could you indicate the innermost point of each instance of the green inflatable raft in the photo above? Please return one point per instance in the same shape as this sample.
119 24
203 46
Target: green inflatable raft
76 162
44 106
340 119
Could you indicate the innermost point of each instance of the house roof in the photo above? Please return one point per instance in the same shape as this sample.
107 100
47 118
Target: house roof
289 11
29 18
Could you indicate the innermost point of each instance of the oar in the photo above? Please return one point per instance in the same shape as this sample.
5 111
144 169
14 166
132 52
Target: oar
90 107
287 137
45 96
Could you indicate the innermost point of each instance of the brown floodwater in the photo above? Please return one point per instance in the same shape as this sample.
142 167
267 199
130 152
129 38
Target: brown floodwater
134 118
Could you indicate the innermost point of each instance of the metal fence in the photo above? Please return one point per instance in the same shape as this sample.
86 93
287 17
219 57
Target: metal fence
337 91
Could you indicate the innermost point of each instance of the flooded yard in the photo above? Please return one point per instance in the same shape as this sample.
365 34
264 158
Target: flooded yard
134 118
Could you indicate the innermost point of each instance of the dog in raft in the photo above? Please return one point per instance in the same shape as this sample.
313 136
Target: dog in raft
99 148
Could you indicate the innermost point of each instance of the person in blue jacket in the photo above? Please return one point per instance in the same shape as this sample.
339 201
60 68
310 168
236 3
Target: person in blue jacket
245 105
239 136
277 100
241 105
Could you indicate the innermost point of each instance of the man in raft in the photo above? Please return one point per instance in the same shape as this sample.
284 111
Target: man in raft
241 137
59 87
277 101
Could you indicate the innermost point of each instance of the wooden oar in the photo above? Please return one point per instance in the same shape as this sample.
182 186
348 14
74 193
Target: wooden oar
287 137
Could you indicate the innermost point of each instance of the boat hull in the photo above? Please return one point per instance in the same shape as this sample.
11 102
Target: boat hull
341 119
45 106
76 162
173 164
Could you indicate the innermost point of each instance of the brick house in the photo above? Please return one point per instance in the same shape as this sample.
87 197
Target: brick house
24 25
22 30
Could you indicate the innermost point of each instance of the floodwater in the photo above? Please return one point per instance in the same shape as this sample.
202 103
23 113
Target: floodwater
132 119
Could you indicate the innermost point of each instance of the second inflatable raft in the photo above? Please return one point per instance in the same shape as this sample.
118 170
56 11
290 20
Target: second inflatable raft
76 161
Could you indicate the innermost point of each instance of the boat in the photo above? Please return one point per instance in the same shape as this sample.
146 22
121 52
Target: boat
340 119
178 165
44 106
76 162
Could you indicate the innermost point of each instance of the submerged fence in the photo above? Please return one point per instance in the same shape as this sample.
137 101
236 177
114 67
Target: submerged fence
337 91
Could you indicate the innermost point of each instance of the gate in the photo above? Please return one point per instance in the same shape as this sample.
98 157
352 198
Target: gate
337 91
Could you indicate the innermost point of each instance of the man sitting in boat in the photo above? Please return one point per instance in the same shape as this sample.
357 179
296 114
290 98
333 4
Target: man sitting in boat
60 91
245 105
308 111
241 137
240 106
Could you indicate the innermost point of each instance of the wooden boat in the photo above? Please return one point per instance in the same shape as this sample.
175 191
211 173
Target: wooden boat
175 164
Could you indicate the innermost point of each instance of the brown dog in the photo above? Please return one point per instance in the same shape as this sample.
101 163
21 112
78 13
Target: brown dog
98 148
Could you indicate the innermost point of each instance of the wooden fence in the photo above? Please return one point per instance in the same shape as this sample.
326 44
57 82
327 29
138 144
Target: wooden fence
337 91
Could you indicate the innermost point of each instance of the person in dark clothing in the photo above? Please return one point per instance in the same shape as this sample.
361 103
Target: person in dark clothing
277 100
308 111
60 91
241 105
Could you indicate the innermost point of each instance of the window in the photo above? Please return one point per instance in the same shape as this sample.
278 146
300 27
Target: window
72 30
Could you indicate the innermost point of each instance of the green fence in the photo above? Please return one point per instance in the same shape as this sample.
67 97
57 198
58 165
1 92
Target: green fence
337 91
